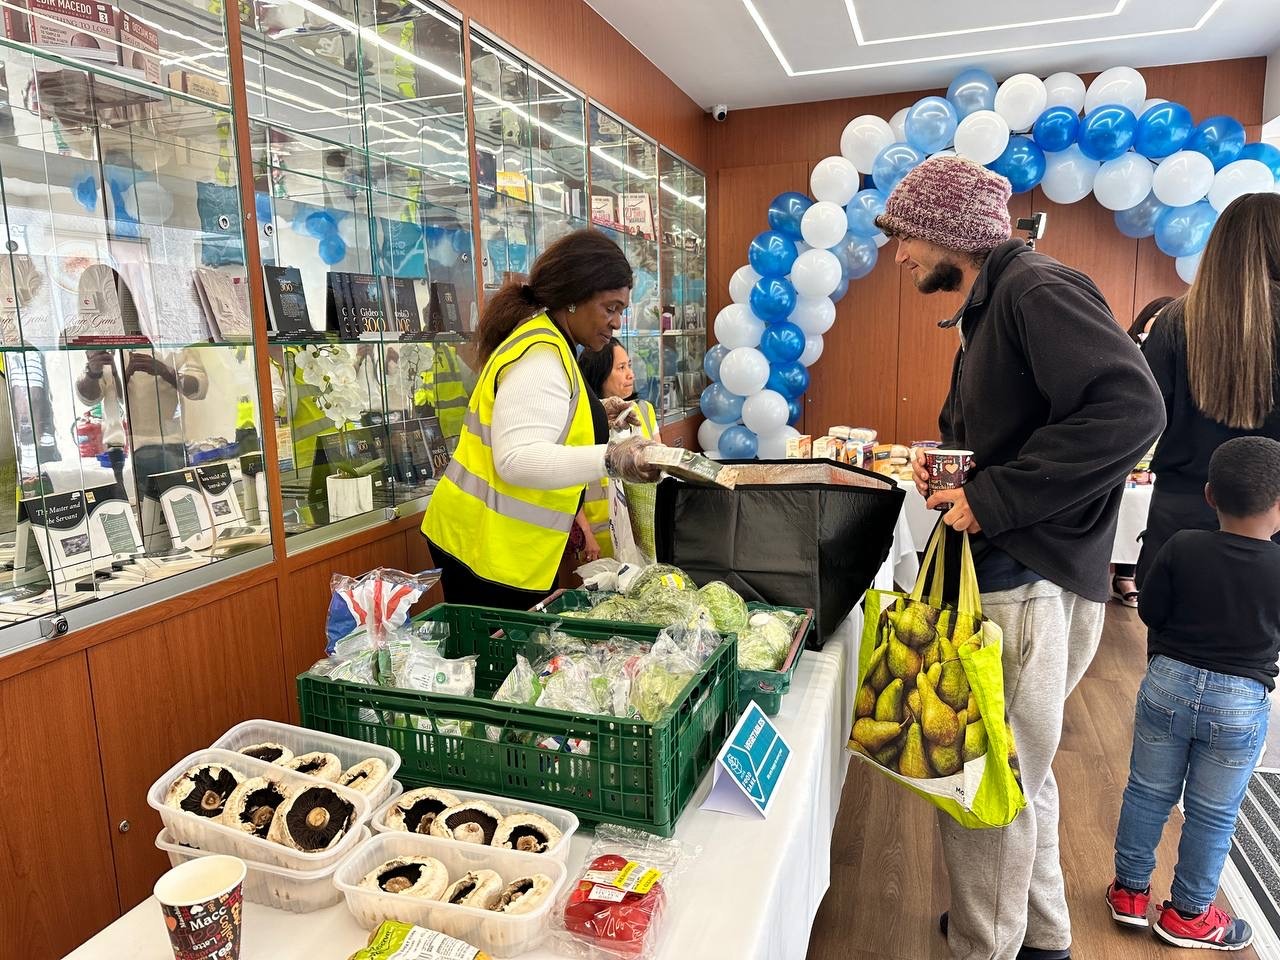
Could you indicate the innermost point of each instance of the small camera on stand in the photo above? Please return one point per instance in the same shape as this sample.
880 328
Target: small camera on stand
1033 226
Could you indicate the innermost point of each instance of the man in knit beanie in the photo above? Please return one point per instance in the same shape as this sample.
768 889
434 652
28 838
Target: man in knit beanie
1057 405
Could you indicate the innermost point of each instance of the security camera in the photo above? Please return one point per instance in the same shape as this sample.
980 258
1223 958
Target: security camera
720 112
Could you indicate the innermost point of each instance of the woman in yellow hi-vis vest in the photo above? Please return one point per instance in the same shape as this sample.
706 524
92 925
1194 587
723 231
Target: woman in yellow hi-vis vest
534 435
608 373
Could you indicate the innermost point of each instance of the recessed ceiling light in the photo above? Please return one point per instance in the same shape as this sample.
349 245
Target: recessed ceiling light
969 54
864 42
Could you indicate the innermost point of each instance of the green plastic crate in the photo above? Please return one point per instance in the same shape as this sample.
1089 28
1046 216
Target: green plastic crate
765 687
637 773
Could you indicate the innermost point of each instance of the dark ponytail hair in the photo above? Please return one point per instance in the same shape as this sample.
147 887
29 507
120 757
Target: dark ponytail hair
596 365
570 271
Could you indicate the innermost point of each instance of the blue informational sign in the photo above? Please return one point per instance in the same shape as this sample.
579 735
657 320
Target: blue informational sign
750 766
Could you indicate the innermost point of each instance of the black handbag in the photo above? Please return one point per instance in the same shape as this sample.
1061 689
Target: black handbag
815 543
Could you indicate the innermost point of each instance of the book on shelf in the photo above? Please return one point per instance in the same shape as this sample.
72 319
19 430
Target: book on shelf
286 300
637 214
400 297
513 184
224 301
338 305
368 313
79 531
442 310
79 29
185 509
603 210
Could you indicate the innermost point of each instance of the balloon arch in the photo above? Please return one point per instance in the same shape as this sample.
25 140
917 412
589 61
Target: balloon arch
1163 174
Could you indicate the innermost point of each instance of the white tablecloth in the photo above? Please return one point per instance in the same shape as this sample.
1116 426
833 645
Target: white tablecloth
751 894
1133 520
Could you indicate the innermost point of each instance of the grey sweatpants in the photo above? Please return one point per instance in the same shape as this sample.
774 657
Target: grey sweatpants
1006 884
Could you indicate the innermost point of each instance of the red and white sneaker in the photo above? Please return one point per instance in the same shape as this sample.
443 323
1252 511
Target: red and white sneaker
1214 929
1128 907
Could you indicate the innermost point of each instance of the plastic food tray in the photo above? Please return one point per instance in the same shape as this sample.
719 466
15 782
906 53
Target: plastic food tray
566 822
497 934
625 771
297 891
213 837
765 687
301 740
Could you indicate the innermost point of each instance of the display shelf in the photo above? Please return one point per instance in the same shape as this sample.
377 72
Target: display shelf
682 205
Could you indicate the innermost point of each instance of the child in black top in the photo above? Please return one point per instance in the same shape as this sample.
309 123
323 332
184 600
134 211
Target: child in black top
1212 606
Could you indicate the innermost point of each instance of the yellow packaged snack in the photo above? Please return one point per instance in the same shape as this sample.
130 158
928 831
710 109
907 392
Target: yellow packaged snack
394 940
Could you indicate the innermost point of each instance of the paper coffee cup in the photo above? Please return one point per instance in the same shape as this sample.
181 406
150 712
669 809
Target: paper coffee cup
201 901
948 469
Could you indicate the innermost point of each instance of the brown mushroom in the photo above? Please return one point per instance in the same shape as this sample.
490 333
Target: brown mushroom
472 821
203 789
311 819
424 877
416 810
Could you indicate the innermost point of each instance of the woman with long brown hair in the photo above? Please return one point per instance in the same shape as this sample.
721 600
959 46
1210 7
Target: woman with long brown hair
1216 356
534 435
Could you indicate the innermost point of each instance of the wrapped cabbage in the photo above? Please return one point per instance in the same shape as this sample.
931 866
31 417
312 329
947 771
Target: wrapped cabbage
764 644
661 675
728 609
615 607
664 608
659 576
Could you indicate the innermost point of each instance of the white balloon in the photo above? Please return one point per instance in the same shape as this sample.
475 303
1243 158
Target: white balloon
737 326
898 124
1182 178
773 446
812 350
824 224
813 314
1238 178
982 136
1020 100
712 453
1068 175
816 273
834 179
1122 85
1187 266
740 284
1064 90
709 434
744 370
881 239
1123 182
863 139
765 412
1149 103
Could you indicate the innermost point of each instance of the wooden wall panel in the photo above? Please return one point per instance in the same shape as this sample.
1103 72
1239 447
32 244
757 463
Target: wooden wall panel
54 849
572 40
172 689
1084 235
304 603
1156 276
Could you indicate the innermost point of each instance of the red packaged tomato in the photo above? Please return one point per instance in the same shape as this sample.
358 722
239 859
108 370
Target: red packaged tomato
615 909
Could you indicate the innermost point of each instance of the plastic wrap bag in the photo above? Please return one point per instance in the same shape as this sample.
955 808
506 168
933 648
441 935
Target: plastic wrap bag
766 641
698 639
660 676
521 686
376 603
625 547
424 668
615 909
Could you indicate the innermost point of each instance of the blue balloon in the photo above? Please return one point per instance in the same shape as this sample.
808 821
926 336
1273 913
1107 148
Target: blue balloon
719 405
1056 129
785 213
782 342
857 256
862 211
1140 221
773 299
1183 231
1107 132
1162 130
838 293
333 249
738 443
1022 164
320 223
712 359
1263 153
461 241
262 206
931 124
1220 138
795 409
771 254
85 191
892 164
972 90
789 379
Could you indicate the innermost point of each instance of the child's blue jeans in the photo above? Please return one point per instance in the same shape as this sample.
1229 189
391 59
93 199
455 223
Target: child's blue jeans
1196 734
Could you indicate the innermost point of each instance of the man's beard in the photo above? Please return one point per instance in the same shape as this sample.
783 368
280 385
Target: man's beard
945 276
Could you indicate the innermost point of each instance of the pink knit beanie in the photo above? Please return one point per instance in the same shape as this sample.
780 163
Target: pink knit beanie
952 202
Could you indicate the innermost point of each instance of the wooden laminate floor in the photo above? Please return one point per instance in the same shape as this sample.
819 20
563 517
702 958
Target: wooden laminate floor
888 881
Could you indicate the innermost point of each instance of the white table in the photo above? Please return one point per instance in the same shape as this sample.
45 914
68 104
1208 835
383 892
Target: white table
751 894
1133 520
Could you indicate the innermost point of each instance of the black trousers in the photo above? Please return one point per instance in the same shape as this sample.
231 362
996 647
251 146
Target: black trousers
461 585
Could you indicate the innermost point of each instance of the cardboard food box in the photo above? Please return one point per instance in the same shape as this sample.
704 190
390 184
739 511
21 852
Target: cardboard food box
198 85
828 448
83 29
800 448
139 48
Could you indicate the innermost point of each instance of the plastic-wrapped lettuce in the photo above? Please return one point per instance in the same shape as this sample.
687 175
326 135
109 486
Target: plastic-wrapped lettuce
664 608
764 644
658 576
661 675
616 607
728 609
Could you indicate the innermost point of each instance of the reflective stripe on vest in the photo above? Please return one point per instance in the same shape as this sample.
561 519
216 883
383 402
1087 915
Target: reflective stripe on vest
446 391
505 533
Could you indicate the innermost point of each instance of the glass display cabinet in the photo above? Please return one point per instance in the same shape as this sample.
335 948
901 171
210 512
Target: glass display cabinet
683 222
362 186
130 433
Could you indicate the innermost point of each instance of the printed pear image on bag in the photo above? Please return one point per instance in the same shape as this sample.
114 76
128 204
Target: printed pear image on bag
930 710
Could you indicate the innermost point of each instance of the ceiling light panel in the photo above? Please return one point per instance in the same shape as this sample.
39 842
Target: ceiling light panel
876 23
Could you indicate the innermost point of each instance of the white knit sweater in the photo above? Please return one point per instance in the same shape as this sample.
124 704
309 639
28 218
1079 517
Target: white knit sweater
529 413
